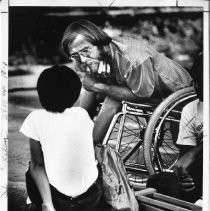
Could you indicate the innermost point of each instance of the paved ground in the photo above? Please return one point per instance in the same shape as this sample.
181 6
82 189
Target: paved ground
21 103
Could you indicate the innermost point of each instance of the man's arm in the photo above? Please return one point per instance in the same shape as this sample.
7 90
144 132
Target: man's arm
39 175
187 159
116 92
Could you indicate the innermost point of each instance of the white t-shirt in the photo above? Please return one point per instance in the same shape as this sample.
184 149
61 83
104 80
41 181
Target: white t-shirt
191 124
67 145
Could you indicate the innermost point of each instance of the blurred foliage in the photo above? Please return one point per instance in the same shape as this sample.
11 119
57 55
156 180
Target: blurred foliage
35 33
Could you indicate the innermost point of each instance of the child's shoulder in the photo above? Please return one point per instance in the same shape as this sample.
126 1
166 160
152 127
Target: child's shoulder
33 118
36 113
191 107
79 112
192 104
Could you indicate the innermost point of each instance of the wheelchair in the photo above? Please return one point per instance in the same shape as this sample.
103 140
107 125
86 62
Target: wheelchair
145 135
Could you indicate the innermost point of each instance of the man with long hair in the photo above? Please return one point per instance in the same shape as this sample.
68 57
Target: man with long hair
124 69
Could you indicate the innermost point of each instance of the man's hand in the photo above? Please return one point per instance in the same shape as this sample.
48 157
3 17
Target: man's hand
182 165
181 170
89 82
101 69
104 69
187 183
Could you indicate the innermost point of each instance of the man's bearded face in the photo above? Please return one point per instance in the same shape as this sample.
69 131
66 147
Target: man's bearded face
87 57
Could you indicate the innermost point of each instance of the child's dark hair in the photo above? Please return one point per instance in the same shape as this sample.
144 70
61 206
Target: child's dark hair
58 88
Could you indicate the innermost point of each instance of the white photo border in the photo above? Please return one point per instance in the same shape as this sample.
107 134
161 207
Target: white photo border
4 29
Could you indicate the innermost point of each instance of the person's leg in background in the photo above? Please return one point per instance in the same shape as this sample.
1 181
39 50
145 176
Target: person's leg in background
88 101
109 108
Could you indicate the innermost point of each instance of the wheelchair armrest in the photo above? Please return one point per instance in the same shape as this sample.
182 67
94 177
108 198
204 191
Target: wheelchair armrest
137 107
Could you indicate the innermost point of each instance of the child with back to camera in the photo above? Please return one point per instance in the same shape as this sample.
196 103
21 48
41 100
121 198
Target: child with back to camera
63 168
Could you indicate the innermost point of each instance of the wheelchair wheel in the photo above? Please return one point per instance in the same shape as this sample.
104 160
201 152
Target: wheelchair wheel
160 150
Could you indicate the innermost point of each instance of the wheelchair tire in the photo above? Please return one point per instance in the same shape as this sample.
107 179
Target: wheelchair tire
158 117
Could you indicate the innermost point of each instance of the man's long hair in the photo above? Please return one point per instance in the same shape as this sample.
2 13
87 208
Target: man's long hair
89 30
